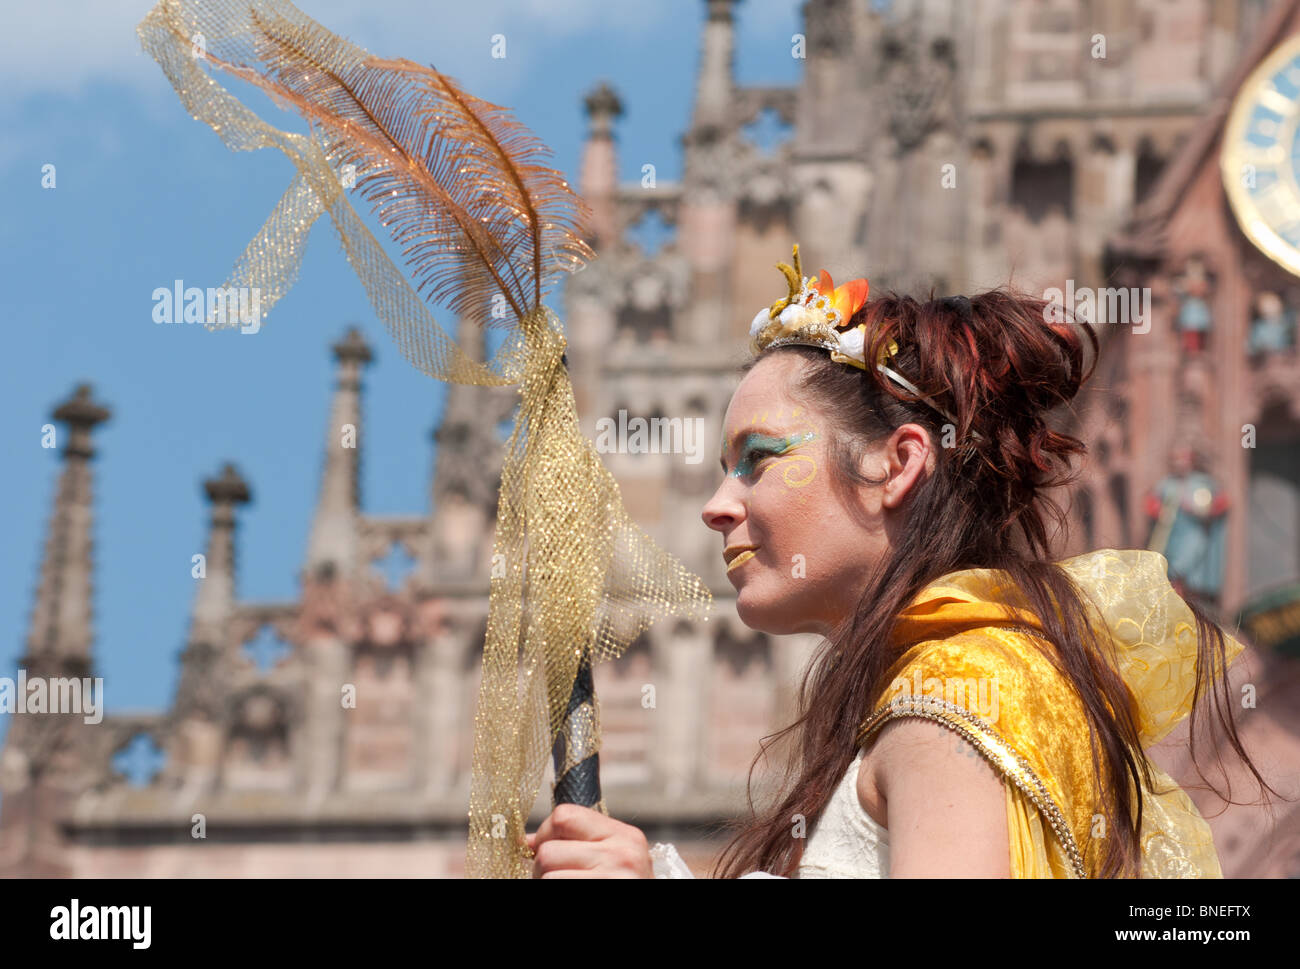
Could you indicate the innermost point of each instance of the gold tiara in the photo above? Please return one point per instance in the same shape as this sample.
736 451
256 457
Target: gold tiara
816 313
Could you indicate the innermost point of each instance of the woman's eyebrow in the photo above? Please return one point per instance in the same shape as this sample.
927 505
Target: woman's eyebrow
759 428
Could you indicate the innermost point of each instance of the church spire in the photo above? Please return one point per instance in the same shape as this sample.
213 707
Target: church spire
333 543
214 603
716 85
464 498
598 177
61 629
46 759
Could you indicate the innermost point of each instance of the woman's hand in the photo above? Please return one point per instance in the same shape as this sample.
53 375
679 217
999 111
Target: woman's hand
580 842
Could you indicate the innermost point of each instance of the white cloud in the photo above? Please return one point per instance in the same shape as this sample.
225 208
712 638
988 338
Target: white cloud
61 46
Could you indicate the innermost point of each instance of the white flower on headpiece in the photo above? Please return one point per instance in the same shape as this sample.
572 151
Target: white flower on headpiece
796 317
852 342
761 320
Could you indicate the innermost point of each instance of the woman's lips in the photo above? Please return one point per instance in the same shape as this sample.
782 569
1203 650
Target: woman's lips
740 559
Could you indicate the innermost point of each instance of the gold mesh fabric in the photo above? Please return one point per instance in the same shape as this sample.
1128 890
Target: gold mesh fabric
485 227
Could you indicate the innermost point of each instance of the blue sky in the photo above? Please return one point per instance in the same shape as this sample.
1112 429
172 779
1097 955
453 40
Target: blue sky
146 195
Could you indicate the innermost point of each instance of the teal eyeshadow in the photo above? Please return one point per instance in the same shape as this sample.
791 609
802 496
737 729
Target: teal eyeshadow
760 445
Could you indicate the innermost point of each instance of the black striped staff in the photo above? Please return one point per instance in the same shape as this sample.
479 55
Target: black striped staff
575 753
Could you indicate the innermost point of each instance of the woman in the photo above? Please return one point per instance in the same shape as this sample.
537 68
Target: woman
975 709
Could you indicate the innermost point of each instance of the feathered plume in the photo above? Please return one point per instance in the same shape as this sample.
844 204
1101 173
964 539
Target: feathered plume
459 183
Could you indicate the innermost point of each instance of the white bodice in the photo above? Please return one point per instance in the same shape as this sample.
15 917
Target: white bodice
846 842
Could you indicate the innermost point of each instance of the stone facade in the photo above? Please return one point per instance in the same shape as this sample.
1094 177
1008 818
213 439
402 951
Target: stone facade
950 145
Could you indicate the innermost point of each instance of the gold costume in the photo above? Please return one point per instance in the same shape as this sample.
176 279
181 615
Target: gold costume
972 630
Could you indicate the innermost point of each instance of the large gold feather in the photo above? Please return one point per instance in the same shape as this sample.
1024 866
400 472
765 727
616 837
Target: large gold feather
458 182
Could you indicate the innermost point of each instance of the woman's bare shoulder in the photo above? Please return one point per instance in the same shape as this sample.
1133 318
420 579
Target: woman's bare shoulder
942 801
907 746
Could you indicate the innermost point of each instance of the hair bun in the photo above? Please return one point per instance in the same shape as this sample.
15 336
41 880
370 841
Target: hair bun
959 305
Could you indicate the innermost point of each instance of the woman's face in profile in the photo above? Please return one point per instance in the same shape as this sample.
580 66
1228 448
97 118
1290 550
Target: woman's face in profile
804 556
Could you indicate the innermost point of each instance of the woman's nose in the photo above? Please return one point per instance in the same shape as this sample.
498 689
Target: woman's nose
721 513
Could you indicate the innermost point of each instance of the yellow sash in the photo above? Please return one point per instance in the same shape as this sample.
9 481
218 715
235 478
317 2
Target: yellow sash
972 664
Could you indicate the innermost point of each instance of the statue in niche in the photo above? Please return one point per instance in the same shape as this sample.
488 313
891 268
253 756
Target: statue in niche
1272 328
1190 525
1194 319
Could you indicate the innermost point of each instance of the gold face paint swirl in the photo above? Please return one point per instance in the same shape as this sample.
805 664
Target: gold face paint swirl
791 464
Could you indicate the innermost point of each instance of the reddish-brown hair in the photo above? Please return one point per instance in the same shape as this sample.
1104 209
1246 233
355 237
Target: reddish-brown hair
1004 370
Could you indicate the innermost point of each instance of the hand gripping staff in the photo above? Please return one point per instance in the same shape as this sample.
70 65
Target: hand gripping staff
485 227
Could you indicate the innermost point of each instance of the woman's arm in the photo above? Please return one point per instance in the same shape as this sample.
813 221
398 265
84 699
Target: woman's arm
945 803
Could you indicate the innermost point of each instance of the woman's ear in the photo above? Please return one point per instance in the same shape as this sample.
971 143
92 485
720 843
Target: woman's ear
910 456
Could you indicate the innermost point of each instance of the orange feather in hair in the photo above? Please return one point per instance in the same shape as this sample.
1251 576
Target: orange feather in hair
846 299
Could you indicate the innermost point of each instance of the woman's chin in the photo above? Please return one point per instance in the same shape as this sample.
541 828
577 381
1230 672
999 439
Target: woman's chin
764 616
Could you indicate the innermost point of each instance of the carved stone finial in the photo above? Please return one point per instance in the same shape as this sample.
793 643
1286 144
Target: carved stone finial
81 414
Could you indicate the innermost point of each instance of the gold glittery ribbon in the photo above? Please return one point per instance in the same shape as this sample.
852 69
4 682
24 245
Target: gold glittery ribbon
485 227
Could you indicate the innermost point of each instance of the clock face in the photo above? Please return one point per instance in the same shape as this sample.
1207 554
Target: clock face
1261 156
